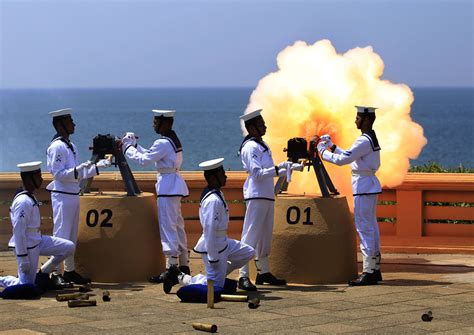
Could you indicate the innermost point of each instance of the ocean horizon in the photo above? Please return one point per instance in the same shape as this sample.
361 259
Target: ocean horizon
445 113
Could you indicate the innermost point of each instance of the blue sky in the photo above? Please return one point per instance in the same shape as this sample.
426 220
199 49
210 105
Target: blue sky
55 44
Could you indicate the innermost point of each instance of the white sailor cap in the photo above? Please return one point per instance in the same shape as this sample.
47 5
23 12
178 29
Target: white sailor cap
212 164
61 112
251 115
30 166
363 109
164 113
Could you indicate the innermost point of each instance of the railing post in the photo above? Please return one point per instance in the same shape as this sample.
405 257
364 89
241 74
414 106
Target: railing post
410 213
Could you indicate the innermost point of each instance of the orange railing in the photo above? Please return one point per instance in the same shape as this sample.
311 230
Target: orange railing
429 212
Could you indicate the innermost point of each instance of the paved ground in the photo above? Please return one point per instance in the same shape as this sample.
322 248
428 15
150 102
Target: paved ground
413 284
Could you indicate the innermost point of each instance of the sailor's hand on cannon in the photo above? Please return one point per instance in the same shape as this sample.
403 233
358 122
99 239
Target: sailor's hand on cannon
297 167
103 163
129 139
322 146
283 165
81 166
327 138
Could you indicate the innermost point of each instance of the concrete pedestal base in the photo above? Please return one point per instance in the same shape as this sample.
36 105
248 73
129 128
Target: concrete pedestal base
314 240
119 237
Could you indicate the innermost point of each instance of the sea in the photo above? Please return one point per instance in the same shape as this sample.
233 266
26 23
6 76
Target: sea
207 122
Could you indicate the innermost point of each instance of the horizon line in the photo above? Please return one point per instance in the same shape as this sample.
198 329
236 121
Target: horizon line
174 87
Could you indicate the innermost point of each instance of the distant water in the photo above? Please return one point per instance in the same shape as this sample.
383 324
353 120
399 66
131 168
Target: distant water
207 121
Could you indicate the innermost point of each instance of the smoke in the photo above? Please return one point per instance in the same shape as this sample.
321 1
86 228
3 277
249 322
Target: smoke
314 92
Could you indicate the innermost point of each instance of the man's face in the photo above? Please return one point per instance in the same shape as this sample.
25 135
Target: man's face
221 177
37 180
156 124
358 121
259 125
69 124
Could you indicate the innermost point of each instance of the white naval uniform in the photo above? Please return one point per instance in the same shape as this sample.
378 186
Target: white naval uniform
28 243
170 188
260 201
220 254
364 157
62 160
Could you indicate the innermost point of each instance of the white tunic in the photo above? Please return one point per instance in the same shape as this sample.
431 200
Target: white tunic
26 220
258 162
168 160
364 157
62 159
214 217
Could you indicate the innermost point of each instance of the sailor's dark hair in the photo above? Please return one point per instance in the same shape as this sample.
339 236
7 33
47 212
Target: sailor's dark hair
252 121
58 119
28 175
368 116
213 172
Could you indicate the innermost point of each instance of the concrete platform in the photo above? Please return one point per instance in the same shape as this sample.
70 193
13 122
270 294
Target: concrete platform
414 284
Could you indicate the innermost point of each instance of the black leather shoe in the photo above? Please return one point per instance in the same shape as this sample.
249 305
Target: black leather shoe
246 285
185 269
76 278
364 279
157 279
58 283
269 278
170 278
378 274
42 281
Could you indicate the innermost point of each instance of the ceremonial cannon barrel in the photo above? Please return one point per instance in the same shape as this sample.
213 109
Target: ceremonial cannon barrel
314 240
118 239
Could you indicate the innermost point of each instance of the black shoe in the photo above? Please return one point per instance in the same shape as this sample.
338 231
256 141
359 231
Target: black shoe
365 279
157 279
57 282
378 274
76 278
246 285
269 278
42 281
185 269
170 278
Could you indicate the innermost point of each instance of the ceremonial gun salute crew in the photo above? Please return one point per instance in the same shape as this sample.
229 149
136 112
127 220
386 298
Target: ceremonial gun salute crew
167 154
27 241
260 199
364 157
220 254
63 163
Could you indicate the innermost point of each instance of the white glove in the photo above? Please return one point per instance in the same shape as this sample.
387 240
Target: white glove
281 172
322 146
81 166
129 139
283 165
297 167
24 266
103 163
327 138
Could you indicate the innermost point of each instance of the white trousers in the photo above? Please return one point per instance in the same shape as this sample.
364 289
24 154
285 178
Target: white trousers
58 248
366 224
233 257
173 236
257 230
66 221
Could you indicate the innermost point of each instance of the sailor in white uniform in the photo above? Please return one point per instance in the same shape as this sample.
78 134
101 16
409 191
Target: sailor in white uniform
364 157
63 163
220 254
167 155
260 199
27 241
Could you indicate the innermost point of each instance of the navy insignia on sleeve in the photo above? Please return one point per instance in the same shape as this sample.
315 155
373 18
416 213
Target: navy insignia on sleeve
22 213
